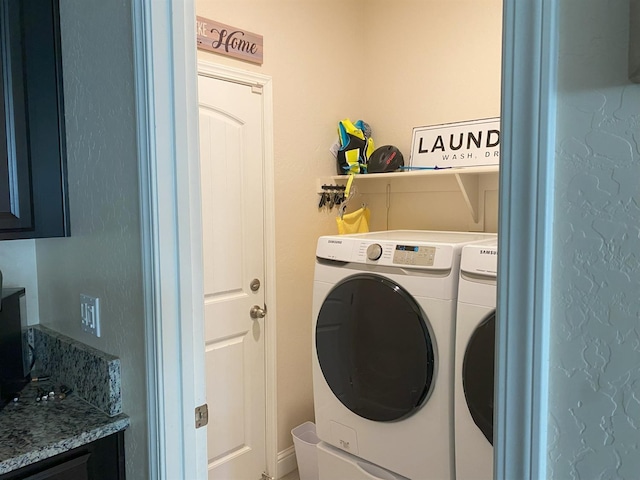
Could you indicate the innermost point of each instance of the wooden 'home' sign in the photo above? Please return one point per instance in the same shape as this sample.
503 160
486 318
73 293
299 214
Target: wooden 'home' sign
230 41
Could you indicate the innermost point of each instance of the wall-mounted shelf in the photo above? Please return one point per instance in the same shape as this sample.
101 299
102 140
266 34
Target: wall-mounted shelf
469 180
465 171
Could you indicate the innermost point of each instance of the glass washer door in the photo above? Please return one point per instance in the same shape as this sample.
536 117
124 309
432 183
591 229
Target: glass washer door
374 348
477 375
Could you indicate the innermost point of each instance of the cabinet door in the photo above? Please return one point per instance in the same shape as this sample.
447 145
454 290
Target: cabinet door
15 183
102 459
75 469
33 187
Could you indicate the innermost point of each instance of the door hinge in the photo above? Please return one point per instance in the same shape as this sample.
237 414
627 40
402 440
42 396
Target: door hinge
266 476
257 88
202 416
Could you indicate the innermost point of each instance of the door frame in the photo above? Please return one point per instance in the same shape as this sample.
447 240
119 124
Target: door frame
171 231
264 83
165 75
528 117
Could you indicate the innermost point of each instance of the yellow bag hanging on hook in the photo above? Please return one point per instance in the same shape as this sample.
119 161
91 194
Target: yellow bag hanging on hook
354 222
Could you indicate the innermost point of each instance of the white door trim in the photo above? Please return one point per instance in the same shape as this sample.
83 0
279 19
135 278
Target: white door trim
167 111
265 83
525 244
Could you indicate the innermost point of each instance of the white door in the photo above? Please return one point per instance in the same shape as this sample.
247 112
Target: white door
231 156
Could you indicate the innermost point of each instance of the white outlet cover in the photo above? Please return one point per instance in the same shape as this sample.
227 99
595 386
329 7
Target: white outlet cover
90 314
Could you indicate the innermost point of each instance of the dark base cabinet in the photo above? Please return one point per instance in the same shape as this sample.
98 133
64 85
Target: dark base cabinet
99 460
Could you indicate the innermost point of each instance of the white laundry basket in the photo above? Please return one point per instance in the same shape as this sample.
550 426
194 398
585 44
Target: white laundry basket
305 442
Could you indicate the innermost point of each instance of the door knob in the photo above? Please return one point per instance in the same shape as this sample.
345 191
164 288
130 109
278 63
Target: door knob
257 312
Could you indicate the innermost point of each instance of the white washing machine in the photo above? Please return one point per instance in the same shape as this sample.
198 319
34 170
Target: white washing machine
383 336
474 365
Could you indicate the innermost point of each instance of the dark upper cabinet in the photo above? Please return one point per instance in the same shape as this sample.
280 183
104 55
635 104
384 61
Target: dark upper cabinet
634 41
33 186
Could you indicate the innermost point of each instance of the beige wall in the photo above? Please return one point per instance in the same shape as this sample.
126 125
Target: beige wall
394 64
429 62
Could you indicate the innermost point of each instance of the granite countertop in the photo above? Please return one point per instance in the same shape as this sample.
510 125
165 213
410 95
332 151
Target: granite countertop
31 431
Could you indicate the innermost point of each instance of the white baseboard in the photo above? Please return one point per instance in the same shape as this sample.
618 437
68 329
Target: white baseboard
286 462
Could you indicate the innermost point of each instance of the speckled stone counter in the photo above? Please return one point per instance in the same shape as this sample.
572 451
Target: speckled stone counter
31 431
93 374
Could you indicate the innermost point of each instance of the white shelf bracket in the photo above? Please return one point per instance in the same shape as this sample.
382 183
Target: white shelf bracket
469 187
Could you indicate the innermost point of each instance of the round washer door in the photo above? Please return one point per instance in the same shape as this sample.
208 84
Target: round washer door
477 375
374 348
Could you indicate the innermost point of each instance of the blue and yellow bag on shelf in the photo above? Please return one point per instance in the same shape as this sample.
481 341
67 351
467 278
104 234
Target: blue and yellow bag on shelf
356 145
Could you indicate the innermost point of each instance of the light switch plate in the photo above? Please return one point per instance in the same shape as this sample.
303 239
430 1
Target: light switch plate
90 314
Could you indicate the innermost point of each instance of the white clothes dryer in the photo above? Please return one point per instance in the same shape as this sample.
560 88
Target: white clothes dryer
383 335
474 364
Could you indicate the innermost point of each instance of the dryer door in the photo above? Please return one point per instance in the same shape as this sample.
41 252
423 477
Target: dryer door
477 375
374 348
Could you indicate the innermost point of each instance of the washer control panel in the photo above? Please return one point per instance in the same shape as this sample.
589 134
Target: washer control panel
401 254
414 255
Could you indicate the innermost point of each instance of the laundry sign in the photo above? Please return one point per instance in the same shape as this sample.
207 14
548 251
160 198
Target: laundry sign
461 144
230 41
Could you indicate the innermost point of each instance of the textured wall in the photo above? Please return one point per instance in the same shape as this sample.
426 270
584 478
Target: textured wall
18 265
595 364
102 257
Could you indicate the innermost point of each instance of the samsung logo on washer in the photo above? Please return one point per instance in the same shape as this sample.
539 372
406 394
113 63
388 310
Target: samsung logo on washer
459 144
488 252
339 242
